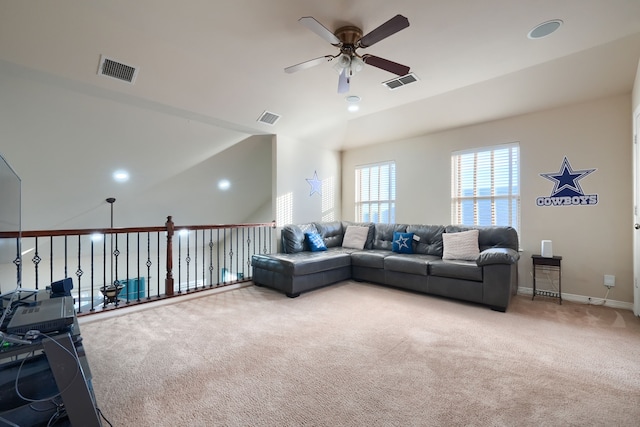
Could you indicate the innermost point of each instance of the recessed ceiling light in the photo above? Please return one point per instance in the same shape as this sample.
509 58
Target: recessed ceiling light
544 29
353 100
224 184
121 176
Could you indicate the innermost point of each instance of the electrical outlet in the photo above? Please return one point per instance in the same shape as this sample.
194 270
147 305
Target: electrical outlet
609 280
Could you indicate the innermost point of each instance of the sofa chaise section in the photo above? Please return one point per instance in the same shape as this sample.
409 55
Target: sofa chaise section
297 269
302 271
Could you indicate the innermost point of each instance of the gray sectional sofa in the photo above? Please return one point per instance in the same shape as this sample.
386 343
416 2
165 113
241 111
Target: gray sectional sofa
487 276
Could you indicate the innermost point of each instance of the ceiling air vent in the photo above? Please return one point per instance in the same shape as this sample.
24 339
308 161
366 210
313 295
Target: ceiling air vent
400 81
268 118
117 70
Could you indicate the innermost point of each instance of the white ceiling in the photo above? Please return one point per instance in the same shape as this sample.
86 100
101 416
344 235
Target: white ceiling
222 62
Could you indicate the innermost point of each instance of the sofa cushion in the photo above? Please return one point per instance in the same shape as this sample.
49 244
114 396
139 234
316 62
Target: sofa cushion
461 245
355 237
331 232
370 258
402 243
315 242
429 239
456 269
292 237
384 235
409 263
301 263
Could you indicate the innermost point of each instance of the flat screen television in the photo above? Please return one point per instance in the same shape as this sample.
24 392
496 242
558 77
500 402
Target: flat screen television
10 221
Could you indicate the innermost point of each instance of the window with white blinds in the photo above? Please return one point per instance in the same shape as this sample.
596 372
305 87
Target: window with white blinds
485 186
376 193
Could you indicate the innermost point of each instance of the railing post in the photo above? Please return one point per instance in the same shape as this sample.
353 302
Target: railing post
168 281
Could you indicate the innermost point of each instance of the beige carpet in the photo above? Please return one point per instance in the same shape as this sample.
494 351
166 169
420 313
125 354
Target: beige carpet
356 354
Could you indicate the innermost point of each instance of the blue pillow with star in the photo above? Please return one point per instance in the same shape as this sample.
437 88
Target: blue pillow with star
402 242
316 243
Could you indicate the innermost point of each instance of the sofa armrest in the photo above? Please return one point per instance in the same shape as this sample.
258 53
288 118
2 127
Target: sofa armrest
497 256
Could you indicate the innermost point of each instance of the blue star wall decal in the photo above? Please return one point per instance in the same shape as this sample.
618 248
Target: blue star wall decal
566 180
315 183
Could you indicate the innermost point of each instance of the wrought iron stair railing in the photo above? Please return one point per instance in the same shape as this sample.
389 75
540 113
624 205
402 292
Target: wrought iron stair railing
118 267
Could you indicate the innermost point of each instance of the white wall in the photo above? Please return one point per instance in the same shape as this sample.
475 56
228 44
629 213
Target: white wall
635 96
593 240
65 139
192 197
296 162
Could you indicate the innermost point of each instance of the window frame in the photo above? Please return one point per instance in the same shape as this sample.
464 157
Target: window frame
374 204
479 178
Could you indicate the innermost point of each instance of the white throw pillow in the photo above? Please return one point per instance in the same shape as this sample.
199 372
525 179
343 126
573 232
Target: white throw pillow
462 245
355 237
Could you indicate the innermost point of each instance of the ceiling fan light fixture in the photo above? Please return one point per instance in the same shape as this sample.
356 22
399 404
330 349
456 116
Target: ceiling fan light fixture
357 65
343 61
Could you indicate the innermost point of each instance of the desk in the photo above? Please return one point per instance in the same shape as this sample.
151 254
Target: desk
553 264
54 364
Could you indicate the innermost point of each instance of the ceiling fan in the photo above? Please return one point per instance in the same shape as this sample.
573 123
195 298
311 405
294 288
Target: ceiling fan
348 39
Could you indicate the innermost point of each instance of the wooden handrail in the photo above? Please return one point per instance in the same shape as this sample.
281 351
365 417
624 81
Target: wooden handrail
215 226
89 231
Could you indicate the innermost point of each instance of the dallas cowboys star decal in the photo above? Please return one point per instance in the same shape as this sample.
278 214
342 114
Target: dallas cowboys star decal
315 183
566 180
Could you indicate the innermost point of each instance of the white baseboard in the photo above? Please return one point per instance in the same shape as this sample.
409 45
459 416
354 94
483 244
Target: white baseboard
582 299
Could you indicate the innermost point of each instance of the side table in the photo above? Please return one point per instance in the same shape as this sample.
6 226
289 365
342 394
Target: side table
553 264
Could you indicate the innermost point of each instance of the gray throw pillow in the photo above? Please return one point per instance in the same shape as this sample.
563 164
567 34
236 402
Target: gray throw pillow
462 245
355 237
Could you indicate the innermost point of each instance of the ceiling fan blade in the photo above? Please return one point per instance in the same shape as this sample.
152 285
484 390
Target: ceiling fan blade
343 82
319 29
308 64
385 64
385 30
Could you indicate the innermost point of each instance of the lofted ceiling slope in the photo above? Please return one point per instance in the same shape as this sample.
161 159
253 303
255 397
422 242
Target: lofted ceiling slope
223 62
